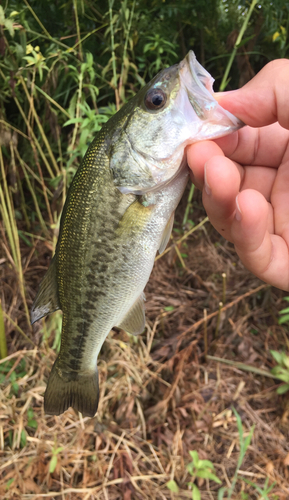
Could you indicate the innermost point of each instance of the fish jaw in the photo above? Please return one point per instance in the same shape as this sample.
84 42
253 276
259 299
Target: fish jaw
204 116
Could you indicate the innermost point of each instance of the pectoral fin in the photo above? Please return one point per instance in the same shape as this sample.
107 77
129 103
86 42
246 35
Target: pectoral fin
46 300
167 233
134 321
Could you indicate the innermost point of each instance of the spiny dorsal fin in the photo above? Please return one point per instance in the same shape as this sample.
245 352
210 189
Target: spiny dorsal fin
46 300
134 321
167 233
81 392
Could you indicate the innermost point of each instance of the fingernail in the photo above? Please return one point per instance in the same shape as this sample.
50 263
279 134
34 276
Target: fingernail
206 185
238 214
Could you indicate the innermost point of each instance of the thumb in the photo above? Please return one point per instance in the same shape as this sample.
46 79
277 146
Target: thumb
263 100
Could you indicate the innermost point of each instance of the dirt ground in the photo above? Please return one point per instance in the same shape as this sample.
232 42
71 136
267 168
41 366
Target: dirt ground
162 394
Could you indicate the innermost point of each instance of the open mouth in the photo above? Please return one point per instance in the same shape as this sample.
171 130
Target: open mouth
199 86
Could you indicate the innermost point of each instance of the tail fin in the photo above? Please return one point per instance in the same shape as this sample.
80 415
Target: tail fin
82 393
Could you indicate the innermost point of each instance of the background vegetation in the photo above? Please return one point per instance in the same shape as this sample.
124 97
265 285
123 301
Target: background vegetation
65 68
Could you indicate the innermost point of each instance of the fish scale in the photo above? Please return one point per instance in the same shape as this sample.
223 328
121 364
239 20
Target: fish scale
118 213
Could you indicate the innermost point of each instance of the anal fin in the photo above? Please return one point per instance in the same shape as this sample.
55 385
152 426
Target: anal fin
134 321
167 233
46 300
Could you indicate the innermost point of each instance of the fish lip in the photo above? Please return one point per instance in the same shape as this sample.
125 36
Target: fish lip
193 65
201 94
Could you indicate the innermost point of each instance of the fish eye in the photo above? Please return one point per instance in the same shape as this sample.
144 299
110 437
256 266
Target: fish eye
155 99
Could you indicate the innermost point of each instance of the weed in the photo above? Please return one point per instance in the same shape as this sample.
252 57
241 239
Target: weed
11 372
281 371
3 342
244 442
284 313
54 459
198 469
264 492
31 422
202 469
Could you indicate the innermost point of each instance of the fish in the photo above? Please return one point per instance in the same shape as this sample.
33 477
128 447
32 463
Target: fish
118 214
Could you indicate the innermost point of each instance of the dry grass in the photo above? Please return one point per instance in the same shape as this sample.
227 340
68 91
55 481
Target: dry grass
160 398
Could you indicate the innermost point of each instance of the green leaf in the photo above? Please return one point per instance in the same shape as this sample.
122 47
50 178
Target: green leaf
52 464
172 485
239 424
284 319
196 494
9 26
2 15
32 423
221 493
206 464
72 120
277 356
282 389
243 42
23 438
195 456
280 373
72 105
9 482
248 438
205 474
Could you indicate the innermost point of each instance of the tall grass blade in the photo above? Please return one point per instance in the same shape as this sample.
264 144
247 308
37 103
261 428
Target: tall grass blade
225 80
3 343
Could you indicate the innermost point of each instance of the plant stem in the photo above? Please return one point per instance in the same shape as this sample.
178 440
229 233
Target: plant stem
113 55
38 20
3 343
205 335
8 215
241 366
77 30
125 47
206 219
43 135
224 277
218 320
189 204
225 80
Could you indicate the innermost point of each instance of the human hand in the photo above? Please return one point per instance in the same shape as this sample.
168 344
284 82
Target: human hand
245 176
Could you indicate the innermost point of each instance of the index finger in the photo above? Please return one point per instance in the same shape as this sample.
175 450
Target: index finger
261 102
264 99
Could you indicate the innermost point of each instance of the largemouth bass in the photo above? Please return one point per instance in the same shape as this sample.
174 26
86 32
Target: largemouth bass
118 213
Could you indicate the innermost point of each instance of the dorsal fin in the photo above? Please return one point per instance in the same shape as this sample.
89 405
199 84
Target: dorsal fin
134 321
46 300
